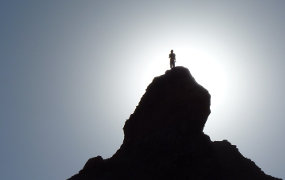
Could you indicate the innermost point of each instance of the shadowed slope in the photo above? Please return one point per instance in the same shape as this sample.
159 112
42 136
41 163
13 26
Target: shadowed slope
164 139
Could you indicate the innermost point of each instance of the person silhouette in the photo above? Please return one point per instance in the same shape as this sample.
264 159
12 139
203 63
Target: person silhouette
172 59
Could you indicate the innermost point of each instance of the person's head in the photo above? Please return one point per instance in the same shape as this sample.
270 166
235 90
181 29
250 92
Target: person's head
171 51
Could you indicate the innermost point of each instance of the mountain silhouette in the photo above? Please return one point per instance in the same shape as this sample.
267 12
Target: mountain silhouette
164 139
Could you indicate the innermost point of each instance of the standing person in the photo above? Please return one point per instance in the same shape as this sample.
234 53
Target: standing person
172 59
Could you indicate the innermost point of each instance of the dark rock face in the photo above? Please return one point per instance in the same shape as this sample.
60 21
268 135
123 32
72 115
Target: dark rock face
174 104
164 139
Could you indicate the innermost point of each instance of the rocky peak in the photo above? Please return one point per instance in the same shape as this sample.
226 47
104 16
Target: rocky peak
173 104
164 139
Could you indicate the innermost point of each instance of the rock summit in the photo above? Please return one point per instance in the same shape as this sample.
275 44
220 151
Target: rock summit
164 139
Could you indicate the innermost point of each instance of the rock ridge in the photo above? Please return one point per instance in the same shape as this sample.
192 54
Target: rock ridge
164 139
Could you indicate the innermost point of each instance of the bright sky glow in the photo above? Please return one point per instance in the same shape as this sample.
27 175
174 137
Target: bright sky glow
72 72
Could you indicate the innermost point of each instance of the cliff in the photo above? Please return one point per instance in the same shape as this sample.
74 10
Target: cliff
164 139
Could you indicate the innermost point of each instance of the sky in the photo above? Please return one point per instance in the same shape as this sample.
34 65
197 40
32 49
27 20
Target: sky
72 72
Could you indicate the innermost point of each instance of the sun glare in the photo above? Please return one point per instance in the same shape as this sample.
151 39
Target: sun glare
208 71
207 61
205 65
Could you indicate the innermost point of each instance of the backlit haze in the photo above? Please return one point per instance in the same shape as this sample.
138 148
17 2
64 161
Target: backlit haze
72 72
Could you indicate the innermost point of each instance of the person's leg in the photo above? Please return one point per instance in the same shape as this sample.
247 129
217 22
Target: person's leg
172 63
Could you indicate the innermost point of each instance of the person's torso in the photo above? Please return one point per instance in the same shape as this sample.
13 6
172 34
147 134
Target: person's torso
172 56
